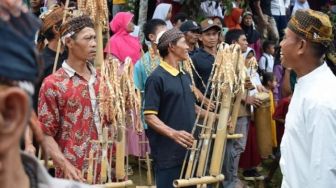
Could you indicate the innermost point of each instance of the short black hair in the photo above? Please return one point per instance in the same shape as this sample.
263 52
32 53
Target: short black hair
164 50
233 35
318 49
151 26
267 77
180 16
267 44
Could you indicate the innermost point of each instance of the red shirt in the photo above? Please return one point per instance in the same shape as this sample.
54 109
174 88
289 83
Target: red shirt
68 112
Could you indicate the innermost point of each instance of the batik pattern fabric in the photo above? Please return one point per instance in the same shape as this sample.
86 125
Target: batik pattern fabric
67 112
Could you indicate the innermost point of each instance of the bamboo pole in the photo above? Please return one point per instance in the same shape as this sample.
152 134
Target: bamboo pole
198 181
100 52
149 170
120 153
89 178
104 163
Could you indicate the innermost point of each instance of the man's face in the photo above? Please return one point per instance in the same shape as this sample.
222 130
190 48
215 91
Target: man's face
288 43
210 37
242 41
191 37
84 44
180 49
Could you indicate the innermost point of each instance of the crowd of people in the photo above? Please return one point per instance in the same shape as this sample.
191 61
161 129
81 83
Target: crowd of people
288 50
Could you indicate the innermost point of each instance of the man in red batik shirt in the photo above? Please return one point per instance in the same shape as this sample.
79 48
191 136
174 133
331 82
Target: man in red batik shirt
67 107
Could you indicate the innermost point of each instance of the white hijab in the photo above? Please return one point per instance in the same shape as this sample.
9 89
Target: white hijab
161 12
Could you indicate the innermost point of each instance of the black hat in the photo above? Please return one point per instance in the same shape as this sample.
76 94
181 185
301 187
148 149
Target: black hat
190 26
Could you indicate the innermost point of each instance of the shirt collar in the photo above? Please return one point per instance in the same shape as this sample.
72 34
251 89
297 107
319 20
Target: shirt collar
170 69
71 72
308 78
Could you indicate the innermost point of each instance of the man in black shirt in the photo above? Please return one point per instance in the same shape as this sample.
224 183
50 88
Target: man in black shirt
204 57
169 109
264 20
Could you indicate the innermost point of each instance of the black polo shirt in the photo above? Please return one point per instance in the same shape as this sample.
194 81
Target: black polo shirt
203 62
168 94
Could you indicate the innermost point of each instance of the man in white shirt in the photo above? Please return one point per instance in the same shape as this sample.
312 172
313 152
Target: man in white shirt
279 13
308 148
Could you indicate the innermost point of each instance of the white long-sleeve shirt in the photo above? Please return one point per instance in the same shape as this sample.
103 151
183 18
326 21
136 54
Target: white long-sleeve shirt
308 147
278 7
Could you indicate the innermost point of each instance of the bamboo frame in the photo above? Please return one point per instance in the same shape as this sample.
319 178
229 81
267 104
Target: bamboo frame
235 112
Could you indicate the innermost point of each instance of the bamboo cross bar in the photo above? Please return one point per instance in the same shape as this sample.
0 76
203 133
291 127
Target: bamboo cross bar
229 136
128 183
198 181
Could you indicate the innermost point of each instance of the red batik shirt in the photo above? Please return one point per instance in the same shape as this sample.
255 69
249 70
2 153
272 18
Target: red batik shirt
68 112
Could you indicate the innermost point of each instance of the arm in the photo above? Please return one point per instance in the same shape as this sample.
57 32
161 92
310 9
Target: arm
260 14
321 132
183 138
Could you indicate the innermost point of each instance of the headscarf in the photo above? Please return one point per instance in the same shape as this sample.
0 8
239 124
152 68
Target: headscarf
232 21
161 12
19 58
251 34
122 44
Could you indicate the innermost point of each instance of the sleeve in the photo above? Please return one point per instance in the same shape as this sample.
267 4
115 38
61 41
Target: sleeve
262 63
321 134
137 76
153 90
48 112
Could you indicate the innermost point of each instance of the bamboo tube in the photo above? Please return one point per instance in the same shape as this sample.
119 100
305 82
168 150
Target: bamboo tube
120 154
191 160
149 170
104 163
205 146
235 111
128 183
221 133
89 179
198 181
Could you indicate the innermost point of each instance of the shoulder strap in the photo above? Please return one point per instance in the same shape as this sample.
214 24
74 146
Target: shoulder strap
266 62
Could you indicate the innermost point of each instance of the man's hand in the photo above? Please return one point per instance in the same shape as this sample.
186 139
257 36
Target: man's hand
183 138
13 7
253 101
71 172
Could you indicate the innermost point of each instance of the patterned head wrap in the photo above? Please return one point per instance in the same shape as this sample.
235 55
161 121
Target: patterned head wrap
312 25
52 17
168 37
74 25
